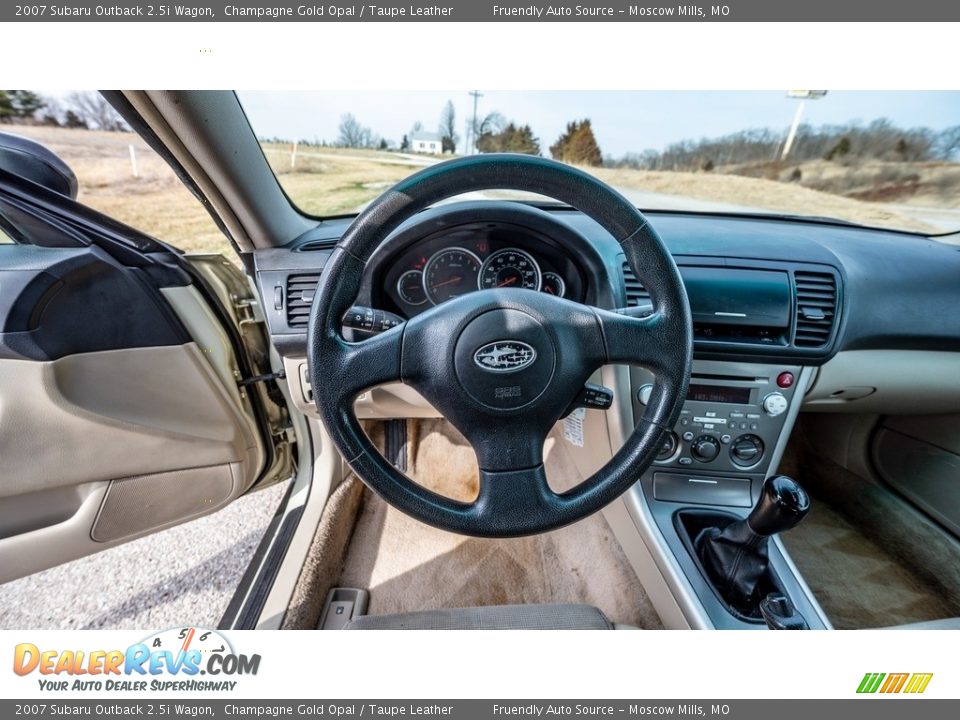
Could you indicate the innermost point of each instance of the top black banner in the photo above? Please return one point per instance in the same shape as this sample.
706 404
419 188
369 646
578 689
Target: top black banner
482 11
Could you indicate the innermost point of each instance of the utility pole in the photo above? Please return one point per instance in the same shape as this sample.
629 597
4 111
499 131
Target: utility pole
802 96
476 95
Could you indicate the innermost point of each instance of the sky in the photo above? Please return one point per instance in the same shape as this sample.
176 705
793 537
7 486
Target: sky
623 121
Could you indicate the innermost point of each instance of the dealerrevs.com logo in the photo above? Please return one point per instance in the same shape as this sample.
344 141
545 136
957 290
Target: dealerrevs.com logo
178 659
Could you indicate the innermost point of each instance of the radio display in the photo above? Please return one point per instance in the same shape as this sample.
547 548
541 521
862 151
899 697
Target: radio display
719 393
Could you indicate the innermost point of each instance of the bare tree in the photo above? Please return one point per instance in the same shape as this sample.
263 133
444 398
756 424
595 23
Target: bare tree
948 143
96 112
847 143
490 124
353 134
448 128
52 112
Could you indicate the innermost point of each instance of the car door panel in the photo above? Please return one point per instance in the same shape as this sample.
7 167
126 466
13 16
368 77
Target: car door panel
99 446
919 455
122 406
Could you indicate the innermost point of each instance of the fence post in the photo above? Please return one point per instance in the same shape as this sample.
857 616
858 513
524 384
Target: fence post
133 161
293 155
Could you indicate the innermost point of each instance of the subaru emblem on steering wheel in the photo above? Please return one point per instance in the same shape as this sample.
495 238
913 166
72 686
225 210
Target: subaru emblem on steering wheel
505 356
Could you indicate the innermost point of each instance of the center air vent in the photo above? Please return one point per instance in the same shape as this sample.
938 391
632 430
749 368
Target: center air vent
636 293
816 308
300 292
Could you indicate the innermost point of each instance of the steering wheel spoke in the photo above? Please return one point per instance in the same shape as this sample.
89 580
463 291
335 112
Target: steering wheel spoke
368 363
510 500
633 341
506 444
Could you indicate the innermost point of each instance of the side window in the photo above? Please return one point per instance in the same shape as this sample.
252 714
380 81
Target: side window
4 238
117 173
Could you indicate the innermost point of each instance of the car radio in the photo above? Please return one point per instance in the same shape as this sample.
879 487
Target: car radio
731 420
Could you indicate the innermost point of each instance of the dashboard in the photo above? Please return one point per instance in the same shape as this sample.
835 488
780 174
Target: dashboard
471 257
762 289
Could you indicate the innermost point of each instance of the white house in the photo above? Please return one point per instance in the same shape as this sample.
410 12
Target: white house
426 142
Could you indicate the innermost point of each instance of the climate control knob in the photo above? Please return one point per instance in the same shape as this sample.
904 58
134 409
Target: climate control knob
705 448
774 404
746 450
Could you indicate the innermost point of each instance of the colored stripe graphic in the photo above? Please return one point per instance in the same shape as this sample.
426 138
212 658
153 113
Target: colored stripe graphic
894 683
918 682
913 683
870 682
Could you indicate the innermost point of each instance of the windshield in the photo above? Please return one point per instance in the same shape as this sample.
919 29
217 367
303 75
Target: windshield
883 159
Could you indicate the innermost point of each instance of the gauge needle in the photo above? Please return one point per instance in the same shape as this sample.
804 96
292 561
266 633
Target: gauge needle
186 642
508 281
448 282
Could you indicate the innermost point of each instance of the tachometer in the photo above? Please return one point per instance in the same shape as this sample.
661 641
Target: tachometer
510 268
410 288
450 273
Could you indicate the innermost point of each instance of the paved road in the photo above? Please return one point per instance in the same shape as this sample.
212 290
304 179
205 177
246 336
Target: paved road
643 199
946 219
184 575
413 161
646 200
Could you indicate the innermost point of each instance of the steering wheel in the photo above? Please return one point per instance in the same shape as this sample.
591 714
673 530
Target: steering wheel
503 365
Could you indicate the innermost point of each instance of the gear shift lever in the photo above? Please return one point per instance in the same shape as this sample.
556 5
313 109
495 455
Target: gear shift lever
782 505
736 557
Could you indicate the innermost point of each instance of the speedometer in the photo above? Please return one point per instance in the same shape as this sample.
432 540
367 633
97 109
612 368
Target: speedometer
450 273
510 268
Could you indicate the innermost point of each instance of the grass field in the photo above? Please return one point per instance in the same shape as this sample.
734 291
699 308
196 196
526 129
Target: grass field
328 181
761 193
929 184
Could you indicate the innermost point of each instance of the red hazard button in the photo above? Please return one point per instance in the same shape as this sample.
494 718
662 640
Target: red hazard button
785 379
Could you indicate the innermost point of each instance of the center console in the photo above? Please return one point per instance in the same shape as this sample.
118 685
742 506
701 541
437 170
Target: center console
710 473
727 435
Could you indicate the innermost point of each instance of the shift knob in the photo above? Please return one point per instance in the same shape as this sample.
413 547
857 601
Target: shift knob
783 504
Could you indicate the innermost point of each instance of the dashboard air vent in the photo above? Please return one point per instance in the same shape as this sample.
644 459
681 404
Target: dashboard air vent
636 293
816 308
300 292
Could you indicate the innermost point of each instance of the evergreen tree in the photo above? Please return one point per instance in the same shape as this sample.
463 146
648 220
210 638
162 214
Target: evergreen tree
72 120
578 145
26 102
7 109
510 139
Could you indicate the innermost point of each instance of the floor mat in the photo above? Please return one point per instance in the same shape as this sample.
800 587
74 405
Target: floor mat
409 566
857 583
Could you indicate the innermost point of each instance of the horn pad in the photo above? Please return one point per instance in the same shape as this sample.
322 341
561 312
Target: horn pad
505 359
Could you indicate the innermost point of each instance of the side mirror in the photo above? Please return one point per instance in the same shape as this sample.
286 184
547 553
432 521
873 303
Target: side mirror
31 160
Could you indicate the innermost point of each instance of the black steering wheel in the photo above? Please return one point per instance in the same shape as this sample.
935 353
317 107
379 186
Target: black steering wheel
503 366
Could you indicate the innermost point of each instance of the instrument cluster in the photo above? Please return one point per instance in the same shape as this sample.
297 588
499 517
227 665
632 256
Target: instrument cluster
468 259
